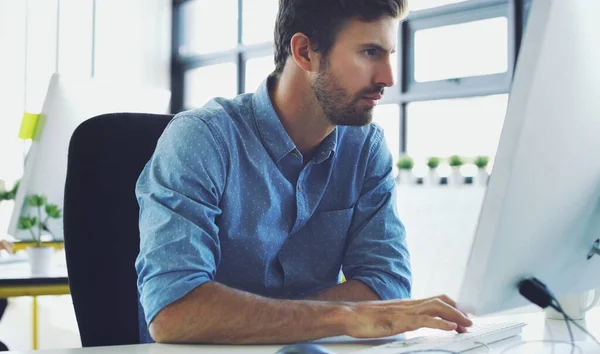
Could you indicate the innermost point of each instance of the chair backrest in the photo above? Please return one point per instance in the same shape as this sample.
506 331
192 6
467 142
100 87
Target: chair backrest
106 155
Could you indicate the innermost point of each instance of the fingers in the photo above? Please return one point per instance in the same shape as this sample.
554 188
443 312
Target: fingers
461 329
439 308
6 246
424 321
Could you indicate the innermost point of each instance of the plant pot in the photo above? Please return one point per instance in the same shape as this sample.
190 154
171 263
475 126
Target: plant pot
456 177
406 177
433 178
40 260
482 177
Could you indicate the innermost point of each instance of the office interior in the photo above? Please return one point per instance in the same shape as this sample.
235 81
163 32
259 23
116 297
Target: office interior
453 70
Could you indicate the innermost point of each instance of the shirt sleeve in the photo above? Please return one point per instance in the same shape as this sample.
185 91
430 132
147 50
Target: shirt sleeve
376 252
178 193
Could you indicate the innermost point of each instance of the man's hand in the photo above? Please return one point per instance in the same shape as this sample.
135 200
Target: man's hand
5 245
387 318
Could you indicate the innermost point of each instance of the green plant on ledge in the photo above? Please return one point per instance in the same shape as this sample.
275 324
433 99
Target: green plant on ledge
405 163
433 162
35 224
9 195
481 161
456 161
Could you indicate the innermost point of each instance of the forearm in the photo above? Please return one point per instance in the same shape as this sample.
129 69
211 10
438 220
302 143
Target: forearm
350 291
215 313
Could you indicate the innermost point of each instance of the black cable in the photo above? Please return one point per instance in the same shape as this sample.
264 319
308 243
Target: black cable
535 291
582 329
555 304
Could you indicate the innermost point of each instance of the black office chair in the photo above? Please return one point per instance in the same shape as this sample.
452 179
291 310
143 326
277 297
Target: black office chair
106 155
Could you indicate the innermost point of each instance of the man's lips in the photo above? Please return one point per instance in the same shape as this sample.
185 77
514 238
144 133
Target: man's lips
374 97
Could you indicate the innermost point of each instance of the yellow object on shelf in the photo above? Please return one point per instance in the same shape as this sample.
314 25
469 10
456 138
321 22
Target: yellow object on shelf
28 125
22 245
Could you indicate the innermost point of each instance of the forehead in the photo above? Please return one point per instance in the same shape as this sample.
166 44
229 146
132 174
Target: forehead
383 31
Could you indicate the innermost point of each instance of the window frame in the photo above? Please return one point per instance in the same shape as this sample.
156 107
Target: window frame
407 90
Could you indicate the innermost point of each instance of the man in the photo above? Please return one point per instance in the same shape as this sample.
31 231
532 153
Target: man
251 207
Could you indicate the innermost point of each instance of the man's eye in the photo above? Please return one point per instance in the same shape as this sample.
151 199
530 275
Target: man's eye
370 52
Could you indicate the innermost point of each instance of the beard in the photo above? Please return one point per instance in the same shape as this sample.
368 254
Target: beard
341 107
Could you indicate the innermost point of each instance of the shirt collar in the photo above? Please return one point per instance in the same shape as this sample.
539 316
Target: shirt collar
272 133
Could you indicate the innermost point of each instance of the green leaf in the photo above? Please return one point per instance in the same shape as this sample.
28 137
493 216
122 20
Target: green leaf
53 211
481 161
433 162
456 161
405 163
36 200
26 223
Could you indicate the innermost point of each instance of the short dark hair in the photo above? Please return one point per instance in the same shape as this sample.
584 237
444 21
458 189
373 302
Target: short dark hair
321 21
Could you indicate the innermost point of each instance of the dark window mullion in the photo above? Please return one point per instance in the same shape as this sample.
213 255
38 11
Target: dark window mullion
177 68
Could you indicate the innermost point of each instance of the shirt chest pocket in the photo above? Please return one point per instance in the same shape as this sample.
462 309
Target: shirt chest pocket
323 243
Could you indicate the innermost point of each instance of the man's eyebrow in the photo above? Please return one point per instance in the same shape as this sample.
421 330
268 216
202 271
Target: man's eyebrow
378 47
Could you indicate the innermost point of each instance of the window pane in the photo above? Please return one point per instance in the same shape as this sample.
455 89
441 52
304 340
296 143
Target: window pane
465 126
209 26
467 49
257 70
258 20
427 4
207 82
388 117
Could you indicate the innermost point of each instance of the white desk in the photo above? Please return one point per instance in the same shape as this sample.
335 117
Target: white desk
16 280
537 329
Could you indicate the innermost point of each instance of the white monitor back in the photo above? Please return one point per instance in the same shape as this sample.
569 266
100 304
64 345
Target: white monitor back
68 103
541 213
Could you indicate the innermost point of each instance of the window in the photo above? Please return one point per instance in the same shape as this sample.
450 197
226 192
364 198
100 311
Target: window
207 82
463 126
257 70
209 26
463 50
258 18
388 117
453 68
427 4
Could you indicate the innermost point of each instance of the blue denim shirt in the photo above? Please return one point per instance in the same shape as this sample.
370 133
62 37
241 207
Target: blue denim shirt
226 198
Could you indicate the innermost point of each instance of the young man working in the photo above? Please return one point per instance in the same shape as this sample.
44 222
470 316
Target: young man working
251 207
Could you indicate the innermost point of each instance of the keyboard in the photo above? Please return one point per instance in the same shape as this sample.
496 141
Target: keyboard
451 341
13 258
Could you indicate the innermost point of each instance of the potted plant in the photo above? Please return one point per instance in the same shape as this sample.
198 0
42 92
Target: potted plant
40 257
482 174
405 165
433 163
456 176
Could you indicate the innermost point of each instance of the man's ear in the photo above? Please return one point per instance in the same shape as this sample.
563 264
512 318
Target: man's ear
306 58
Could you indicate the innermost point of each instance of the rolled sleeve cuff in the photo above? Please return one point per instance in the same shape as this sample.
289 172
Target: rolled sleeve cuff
387 288
161 291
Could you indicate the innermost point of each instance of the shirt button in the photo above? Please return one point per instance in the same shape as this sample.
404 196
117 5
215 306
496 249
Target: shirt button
300 187
294 155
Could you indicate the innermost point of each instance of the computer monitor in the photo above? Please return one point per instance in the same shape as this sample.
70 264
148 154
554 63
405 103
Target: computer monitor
541 212
68 103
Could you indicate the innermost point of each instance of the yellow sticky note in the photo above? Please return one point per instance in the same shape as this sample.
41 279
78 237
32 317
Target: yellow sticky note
28 125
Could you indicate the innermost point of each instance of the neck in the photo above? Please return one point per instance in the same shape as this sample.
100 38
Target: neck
300 113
